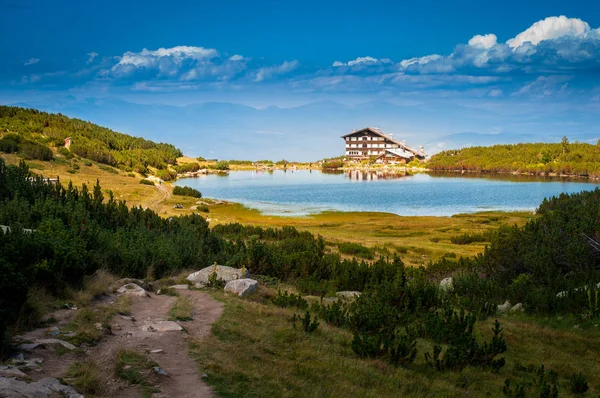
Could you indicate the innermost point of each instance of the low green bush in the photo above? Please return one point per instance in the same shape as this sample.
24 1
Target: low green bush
187 191
146 182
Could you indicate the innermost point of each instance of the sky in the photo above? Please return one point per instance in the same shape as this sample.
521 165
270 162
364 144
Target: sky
284 79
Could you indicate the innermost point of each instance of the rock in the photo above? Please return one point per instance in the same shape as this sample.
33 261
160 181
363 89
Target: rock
12 388
18 358
160 371
446 285
132 289
98 326
329 300
36 343
504 307
53 331
348 295
241 287
179 287
157 351
10 371
562 294
224 273
517 308
127 318
204 376
162 326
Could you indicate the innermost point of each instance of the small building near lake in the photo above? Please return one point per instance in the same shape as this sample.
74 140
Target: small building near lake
371 142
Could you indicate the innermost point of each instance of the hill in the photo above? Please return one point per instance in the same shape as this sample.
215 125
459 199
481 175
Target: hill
538 158
32 133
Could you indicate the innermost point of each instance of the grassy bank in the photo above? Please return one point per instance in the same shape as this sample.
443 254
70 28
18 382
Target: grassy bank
254 351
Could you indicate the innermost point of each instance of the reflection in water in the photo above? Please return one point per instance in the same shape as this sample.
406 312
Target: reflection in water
362 175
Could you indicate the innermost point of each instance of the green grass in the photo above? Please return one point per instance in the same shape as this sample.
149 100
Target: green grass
182 310
136 369
254 351
85 377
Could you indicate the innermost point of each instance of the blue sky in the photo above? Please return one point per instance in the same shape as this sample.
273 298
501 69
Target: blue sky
444 74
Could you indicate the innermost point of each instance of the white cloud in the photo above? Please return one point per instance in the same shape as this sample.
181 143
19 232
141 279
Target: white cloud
551 28
495 93
484 41
167 60
362 61
419 60
32 61
91 57
236 57
266 72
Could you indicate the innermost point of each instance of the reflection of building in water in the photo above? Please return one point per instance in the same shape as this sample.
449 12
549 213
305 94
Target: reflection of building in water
361 175
371 142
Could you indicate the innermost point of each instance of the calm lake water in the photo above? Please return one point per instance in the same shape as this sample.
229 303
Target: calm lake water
303 192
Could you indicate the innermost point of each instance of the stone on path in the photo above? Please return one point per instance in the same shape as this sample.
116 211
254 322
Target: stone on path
179 287
162 326
36 343
241 287
224 273
13 388
517 308
10 371
133 290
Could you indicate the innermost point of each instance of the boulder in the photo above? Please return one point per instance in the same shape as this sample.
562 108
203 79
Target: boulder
133 290
224 273
446 285
504 307
162 326
241 287
348 295
517 308
13 388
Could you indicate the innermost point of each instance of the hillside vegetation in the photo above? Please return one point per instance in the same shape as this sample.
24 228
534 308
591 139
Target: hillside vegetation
100 144
539 158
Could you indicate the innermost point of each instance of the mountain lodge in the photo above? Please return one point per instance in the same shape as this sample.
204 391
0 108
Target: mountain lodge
371 142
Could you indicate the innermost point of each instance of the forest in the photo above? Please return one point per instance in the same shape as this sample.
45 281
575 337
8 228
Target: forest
566 158
38 129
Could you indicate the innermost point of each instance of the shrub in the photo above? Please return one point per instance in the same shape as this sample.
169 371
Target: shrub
108 169
333 164
285 300
187 191
222 165
203 208
10 143
166 175
33 150
465 239
146 182
578 383
308 324
187 167
65 152
356 249
87 163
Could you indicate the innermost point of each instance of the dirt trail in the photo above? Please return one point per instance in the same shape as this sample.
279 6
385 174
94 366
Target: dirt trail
183 380
165 194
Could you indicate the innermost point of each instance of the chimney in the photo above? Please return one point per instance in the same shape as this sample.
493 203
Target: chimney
403 142
422 148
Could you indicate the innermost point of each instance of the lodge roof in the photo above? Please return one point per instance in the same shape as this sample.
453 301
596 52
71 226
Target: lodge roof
377 130
400 153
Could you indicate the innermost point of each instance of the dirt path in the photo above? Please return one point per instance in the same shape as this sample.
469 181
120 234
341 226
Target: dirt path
165 194
131 333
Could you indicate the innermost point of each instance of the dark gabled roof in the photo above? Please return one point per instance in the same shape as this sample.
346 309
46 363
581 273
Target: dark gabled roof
378 131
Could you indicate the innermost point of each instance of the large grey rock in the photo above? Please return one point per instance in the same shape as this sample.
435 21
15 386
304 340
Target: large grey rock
241 287
162 326
133 290
348 295
36 343
504 307
179 287
446 285
45 388
517 308
224 273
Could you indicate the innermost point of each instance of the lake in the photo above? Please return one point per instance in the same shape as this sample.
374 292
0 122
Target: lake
303 192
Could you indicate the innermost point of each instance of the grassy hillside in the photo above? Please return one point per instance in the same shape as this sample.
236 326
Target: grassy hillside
539 158
29 131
